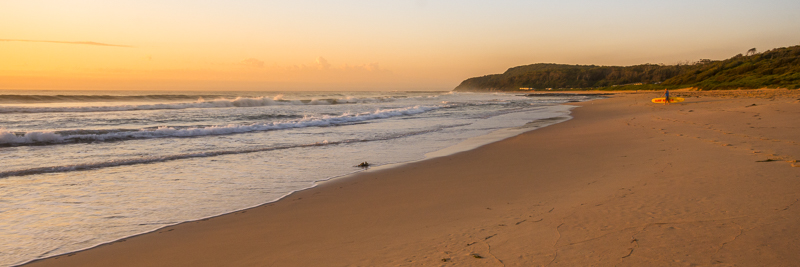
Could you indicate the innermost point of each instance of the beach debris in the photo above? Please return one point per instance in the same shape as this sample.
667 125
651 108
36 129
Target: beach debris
766 160
445 259
363 165
629 253
475 255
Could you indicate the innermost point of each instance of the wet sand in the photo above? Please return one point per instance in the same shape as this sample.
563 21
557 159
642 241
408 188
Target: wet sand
713 180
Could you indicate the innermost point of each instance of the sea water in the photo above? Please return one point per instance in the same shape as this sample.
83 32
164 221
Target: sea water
82 168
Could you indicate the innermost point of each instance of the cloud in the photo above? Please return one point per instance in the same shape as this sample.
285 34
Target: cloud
63 42
364 67
320 70
252 62
323 66
322 63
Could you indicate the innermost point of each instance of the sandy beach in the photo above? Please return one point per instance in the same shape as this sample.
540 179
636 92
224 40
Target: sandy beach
713 180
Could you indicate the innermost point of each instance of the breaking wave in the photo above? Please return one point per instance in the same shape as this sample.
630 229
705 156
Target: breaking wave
134 161
154 159
200 103
81 136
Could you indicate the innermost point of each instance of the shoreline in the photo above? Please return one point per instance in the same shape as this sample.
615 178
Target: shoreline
461 213
466 145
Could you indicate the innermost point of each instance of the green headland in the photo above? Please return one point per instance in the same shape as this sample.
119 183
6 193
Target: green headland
776 68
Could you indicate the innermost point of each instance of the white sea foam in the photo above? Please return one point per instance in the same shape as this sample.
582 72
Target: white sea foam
9 138
133 161
200 103
162 158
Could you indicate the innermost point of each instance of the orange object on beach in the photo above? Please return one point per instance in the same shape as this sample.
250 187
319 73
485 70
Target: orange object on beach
671 99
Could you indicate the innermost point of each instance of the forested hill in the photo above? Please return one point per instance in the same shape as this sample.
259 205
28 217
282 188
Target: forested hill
776 68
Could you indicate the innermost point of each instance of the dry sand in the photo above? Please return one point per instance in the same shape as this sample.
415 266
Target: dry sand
709 181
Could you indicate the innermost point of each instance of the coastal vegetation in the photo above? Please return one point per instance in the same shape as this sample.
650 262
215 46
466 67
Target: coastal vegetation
776 68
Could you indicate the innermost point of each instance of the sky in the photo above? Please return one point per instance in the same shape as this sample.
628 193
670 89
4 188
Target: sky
361 45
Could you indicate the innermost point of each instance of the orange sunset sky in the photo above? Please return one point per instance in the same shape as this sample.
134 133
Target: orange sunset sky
360 45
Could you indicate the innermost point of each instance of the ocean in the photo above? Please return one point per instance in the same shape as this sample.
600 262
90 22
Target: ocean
83 168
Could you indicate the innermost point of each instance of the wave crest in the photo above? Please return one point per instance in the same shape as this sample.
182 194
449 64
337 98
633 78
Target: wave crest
200 103
74 136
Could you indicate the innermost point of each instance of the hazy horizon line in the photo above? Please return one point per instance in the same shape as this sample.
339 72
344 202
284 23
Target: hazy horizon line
63 42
